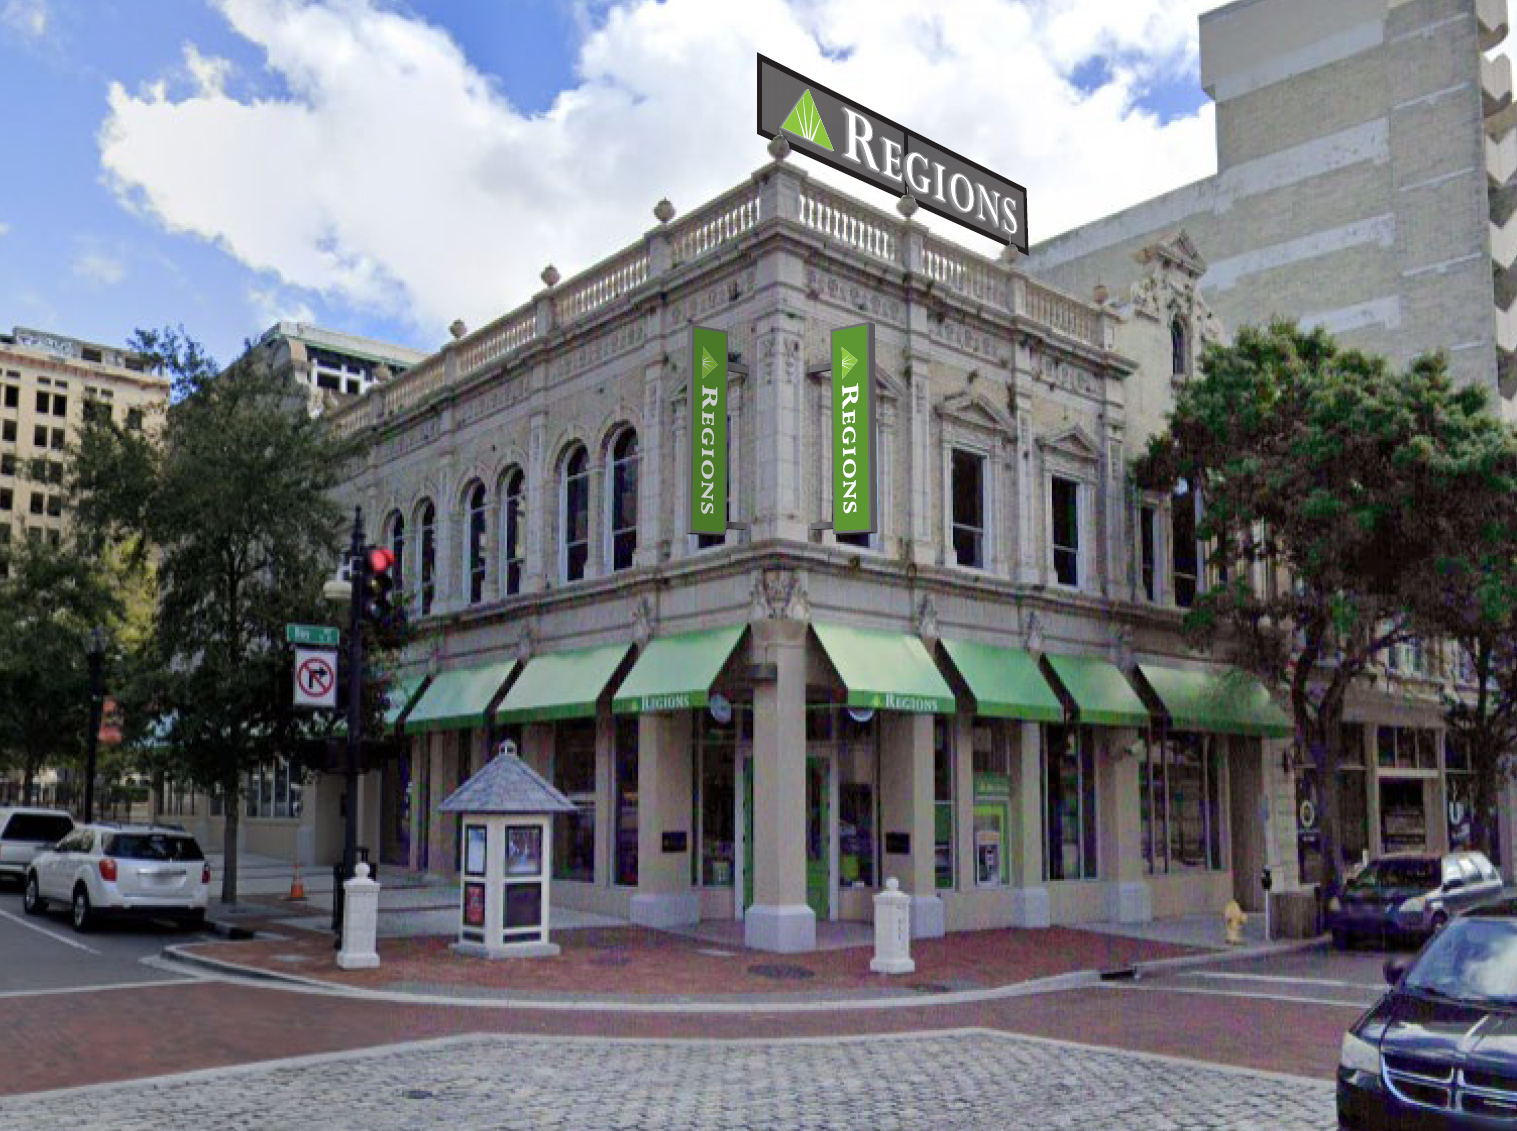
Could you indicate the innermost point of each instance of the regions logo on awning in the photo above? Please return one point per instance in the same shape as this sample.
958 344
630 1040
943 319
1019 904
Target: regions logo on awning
708 430
839 132
854 428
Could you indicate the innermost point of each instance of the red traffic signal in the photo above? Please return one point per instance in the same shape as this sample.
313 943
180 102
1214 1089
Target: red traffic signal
380 560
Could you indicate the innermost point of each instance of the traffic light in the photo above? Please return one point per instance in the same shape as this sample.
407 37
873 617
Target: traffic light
379 582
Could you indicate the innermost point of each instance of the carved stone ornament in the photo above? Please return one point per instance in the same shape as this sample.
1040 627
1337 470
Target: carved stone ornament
1032 635
642 621
1120 646
526 642
778 594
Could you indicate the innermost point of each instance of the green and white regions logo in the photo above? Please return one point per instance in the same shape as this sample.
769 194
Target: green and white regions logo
708 363
805 120
849 361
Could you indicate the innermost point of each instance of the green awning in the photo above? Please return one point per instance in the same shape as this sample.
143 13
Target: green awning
1005 682
561 685
1226 701
401 694
1101 694
458 699
887 670
675 673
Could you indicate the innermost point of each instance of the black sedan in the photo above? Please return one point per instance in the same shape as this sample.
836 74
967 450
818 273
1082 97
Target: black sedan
1440 1049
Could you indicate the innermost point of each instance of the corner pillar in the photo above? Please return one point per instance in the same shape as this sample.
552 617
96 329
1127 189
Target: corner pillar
906 811
664 896
1031 905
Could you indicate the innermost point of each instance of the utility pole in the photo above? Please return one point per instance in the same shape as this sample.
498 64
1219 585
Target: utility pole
96 654
358 569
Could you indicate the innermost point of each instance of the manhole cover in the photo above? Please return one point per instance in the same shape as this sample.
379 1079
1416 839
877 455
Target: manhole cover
611 958
781 971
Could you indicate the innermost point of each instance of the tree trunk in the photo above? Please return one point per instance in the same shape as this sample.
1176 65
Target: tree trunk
157 801
29 782
232 807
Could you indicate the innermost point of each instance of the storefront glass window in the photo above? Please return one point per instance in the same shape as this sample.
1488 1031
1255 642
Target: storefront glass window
715 796
1069 804
626 801
273 791
856 753
574 776
942 802
1180 806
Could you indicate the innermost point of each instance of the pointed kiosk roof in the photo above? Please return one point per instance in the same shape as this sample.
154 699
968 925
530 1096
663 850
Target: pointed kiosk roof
506 785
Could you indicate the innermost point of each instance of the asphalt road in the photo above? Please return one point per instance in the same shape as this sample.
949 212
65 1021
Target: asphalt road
1320 977
44 954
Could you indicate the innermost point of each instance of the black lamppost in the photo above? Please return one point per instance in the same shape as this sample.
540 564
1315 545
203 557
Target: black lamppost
96 653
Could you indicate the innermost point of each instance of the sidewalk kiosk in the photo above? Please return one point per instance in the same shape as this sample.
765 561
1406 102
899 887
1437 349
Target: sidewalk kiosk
506 813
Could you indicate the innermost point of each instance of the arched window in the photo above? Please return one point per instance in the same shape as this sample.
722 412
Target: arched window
576 513
474 560
396 524
623 508
427 567
1179 351
513 496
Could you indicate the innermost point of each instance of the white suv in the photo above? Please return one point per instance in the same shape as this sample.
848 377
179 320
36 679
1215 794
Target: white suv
96 870
26 832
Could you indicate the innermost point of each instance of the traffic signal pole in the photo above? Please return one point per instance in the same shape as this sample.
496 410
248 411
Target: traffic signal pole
358 569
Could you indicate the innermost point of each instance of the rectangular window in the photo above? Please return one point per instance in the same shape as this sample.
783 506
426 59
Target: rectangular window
626 800
1148 544
968 501
60 405
38 502
39 436
42 402
942 802
12 396
58 439
1069 804
7 501
134 419
1184 554
716 797
7 464
97 412
857 753
1064 506
574 776
8 431
55 505
1385 746
1180 808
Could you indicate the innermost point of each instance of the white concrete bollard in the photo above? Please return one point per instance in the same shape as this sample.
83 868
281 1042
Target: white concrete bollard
360 922
892 931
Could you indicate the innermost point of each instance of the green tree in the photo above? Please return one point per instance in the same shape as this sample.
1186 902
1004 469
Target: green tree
49 603
232 503
1353 479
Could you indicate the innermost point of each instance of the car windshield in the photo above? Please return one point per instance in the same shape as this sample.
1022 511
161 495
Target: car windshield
154 846
1410 873
1473 959
43 828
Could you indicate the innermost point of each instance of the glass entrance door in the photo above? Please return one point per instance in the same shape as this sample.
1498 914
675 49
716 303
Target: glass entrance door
818 835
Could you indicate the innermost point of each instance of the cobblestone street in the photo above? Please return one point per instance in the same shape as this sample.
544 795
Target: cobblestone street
956 1079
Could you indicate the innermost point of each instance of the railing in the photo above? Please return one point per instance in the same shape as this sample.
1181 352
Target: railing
1065 314
601 284
495 341
719 223
849 223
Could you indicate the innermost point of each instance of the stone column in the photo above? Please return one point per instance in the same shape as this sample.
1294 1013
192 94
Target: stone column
419 799
650 469
1119 835
439 852
906 808
539 562
605 798
664 896
963 806
780 919
1026 748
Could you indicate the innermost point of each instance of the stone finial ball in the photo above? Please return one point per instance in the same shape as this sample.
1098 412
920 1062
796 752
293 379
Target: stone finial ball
458 329
550 275
663 211
779 148
907 205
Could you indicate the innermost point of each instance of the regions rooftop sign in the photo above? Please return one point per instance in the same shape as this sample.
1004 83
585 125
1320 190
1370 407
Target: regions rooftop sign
839 132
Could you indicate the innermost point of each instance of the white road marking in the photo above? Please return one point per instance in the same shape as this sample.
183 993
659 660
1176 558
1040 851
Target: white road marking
20 922
1295 998
100 988
1284 980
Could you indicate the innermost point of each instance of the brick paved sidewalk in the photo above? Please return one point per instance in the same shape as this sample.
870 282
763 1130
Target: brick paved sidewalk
632 961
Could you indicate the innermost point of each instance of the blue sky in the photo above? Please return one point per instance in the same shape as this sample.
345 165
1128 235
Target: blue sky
248 180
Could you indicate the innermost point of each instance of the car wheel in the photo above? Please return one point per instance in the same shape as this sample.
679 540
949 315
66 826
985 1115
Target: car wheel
1342 940
84 914
31 897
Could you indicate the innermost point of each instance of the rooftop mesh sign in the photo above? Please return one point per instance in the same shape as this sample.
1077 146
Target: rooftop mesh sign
839 132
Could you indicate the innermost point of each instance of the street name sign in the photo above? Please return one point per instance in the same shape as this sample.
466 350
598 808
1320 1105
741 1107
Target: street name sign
854 428
315 677
840 132
312 635
708 430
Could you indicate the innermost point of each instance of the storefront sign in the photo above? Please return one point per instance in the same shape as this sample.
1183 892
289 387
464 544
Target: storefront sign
839 132
681 702
708 430
854 429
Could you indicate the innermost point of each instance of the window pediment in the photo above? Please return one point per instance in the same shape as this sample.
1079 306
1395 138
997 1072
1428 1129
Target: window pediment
1072 443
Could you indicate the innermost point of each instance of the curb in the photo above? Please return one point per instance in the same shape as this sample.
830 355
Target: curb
229 931
1268 950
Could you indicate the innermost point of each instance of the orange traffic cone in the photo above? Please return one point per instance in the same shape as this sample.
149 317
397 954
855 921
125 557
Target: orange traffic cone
297 888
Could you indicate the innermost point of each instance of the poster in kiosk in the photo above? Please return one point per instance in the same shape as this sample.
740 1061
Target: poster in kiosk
854 428
708 431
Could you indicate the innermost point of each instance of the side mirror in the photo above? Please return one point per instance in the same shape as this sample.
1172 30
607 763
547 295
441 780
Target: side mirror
1394 969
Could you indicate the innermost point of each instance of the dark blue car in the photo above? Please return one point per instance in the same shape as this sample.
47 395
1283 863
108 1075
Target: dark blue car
1409 896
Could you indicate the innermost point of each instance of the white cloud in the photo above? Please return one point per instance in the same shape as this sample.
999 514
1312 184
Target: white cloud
27 18
391 174
99 267
274 303
4 227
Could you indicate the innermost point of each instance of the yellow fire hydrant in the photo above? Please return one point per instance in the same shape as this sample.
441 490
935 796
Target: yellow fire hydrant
1233 919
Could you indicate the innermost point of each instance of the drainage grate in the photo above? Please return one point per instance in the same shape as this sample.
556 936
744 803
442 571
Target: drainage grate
782 971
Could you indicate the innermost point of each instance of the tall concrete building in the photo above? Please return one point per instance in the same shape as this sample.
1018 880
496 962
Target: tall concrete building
332 366
1365 160
49 383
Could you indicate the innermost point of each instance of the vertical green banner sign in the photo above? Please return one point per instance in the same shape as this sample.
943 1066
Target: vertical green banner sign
708 430
854 429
